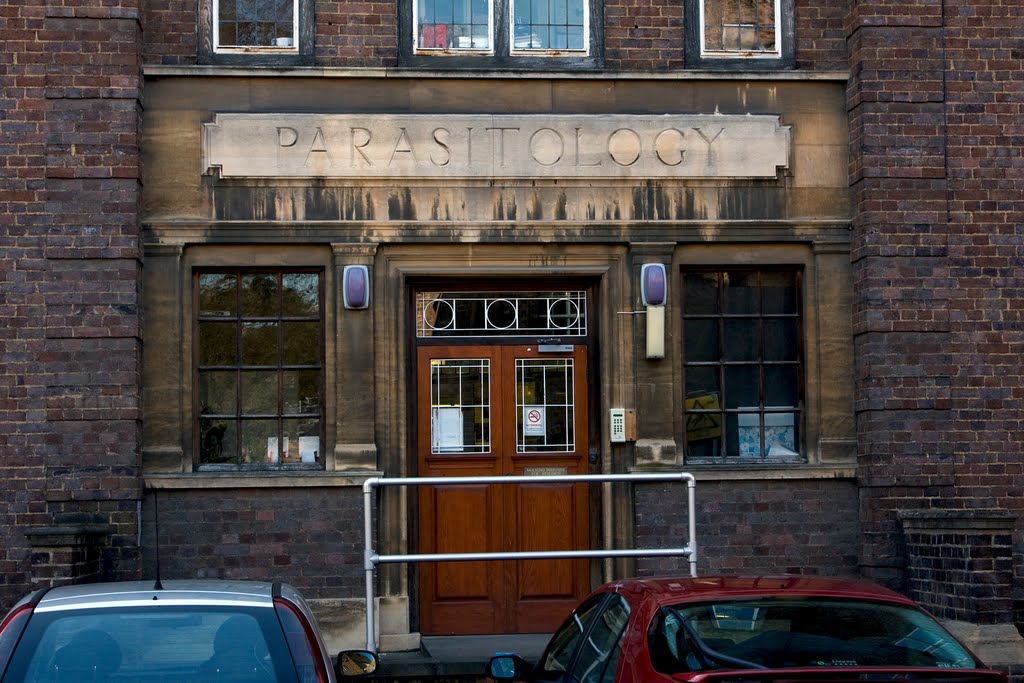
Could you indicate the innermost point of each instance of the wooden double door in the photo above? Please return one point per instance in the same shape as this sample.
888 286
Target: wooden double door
492 411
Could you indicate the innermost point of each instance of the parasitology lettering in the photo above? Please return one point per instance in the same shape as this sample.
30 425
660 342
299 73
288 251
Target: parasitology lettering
446 147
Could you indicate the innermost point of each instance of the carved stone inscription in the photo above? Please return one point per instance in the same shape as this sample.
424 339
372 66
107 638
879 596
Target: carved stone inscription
484 146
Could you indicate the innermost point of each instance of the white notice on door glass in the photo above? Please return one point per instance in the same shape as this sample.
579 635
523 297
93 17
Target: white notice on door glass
533 421
447 430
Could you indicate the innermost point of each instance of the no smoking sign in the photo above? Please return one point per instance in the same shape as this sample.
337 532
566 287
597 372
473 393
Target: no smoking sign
533 421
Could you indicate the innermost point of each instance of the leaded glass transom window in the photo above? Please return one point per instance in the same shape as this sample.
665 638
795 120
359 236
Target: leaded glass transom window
470 314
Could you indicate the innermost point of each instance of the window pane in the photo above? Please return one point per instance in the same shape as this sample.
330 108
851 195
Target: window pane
779 293
780 386
259 296
701 293
602 644
741 295
301 392
259 393
702 380
217 295
303 439
741 341
218 441
700 338
217 344
260 442
741 386
558 656
301 295
218 393
780 340
259 344
301 343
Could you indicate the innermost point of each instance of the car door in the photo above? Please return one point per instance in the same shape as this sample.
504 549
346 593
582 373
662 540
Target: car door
586 648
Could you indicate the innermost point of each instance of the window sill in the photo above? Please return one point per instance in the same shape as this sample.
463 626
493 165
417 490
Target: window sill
268 479
758 472
253 70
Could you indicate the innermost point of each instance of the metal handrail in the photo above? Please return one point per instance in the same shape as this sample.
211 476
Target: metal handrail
371 559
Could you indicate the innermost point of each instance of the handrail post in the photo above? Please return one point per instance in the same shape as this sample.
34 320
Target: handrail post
691 518
368 563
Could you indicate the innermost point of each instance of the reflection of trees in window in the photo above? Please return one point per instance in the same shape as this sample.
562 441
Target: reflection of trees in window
742 360
259 356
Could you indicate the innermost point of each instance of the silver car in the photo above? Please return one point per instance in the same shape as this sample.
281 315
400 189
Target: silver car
191 631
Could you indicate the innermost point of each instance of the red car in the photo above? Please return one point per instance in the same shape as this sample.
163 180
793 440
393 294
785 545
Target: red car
767 629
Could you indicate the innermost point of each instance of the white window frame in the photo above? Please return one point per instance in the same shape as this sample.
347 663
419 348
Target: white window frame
453 50
508 14
731 54
542 51
243 49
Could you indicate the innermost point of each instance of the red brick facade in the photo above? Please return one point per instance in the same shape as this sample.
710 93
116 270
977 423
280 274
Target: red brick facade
936 97
936 171
69 283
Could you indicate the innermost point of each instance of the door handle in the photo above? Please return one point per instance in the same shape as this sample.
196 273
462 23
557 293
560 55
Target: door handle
594 456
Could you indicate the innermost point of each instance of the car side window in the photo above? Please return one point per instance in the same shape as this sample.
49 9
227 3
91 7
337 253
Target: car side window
557 659
598 653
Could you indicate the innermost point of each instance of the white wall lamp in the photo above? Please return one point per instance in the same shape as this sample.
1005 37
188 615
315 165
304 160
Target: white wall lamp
355 287
653 294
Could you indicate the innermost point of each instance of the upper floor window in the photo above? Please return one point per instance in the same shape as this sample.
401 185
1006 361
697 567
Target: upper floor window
742 365
739 34
535 34
245 24
256 31
259 369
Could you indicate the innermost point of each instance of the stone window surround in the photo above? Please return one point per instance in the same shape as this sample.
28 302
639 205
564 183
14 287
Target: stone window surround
168 441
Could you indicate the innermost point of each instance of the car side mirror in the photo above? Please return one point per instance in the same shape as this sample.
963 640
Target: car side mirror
355 663
508 667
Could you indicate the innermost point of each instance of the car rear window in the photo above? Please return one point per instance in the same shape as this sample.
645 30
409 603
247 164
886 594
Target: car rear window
158 643
780 633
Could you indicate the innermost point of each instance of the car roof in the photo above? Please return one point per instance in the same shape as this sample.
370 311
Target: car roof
666 590
172 592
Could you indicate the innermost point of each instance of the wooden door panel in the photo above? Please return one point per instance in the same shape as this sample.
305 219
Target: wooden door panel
464 524
492 424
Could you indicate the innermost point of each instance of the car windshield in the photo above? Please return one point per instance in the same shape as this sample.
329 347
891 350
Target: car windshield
775 633
136 644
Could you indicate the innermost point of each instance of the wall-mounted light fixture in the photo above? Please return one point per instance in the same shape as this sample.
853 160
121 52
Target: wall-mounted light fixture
653 293
653 284
355 287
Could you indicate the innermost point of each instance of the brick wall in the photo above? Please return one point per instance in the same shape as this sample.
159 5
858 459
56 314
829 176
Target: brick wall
639 36
69 376
745 527
310 537
936 167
